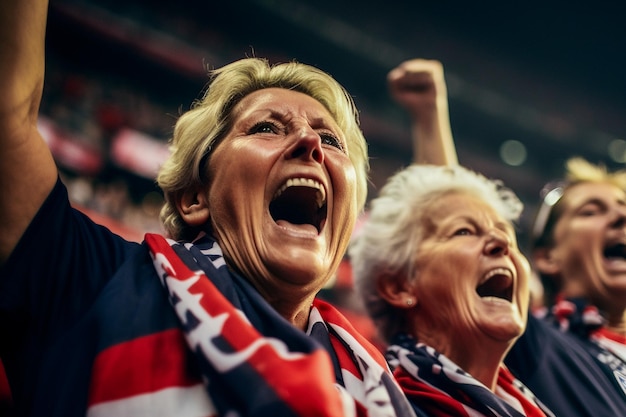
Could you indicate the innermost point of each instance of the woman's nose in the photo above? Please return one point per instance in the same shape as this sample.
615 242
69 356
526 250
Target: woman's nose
498 243
307 144
619 221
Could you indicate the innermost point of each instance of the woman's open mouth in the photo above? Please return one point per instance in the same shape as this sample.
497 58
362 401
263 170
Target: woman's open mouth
497 283
300 201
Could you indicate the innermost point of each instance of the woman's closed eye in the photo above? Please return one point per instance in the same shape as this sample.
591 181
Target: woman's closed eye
591 209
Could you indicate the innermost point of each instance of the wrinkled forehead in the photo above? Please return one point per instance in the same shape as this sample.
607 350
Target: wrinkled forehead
281 100
286 105
465 204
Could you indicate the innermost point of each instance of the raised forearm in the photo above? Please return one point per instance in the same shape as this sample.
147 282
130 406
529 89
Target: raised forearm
419 86
432 138
27 170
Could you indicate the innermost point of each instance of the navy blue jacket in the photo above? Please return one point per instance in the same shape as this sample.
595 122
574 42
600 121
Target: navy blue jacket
567 373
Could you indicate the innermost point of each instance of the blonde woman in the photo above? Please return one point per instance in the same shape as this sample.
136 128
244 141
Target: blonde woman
220 317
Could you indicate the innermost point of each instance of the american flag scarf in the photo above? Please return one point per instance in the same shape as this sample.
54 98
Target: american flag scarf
254 362
441 388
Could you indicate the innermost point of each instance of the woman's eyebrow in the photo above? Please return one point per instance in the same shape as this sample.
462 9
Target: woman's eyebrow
593 201
506 226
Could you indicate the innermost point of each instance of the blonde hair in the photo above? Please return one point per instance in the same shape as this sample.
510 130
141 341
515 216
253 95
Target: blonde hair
202 127
387 242
580 170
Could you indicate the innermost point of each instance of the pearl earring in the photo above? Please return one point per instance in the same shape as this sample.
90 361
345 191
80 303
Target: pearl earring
409 301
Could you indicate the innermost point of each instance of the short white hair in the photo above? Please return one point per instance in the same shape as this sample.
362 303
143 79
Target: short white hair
387 242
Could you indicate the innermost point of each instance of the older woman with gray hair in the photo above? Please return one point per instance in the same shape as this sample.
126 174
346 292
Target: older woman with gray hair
440 272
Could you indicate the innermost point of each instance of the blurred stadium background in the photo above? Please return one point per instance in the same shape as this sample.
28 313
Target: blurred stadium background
530 84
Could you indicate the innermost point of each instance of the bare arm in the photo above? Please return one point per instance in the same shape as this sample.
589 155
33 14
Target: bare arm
419 86
27 169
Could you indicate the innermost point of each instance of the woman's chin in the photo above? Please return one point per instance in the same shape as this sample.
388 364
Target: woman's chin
505 330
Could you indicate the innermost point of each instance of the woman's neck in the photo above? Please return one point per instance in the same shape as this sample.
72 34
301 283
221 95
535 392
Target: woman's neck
296 314
483 366
616 322
482 363
613 309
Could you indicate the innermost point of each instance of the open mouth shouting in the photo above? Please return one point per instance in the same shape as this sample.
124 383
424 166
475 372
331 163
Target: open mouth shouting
300 202
615 251
497 284
614 254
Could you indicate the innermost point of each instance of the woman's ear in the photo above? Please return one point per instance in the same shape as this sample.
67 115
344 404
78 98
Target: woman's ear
397 291
193 207
545 262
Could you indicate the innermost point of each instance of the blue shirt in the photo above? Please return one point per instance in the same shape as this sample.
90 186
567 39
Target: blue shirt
564 372
63 304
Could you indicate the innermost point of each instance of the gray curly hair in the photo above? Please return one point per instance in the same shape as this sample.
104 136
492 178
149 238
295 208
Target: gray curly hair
386 243
201 128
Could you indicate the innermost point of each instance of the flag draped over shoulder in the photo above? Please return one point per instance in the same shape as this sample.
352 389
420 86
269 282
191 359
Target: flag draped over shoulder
255 363
441 388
